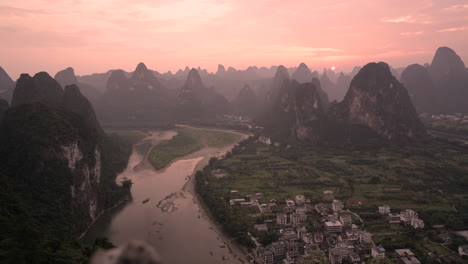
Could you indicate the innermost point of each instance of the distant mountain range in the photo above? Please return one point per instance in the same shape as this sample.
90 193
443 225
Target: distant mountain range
145 96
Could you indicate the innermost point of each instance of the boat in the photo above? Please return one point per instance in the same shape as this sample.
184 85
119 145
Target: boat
146 200
222 245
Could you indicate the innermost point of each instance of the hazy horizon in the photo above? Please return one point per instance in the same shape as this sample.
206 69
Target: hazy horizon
91 37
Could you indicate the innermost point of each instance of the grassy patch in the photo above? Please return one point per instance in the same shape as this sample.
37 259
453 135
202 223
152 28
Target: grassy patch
133 136
188 140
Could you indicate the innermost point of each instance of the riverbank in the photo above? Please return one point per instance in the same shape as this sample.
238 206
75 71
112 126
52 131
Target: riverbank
188 140
205 213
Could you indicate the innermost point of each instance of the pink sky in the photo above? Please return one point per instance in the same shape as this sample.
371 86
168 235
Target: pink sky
95 36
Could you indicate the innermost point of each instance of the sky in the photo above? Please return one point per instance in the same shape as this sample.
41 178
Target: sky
96 36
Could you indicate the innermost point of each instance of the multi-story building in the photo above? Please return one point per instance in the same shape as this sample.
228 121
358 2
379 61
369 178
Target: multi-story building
267 257
385 209
333 227
281 219
335 256
278 249
294 219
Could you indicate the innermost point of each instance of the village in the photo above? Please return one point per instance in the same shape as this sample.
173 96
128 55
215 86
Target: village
322 232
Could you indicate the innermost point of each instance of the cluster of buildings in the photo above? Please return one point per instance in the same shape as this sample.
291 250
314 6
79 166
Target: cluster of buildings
457 117
250 200
407 217
322 231
305 230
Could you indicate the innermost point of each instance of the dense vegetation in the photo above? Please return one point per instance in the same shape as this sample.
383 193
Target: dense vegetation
233 220
186 141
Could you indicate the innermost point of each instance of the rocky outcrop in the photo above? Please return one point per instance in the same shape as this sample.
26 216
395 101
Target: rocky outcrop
117 81
342 85
142 78
6 85
41 88
417 80
76 103
302 74
280 77
377 100
322 94
329 87
195 100
3 108
58 154
67 77
246 102
140 99
297 113
221 70
449 76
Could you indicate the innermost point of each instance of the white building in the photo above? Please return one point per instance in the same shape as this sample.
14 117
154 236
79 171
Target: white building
378 252
407 215
417 223
463 250
236 201
385 209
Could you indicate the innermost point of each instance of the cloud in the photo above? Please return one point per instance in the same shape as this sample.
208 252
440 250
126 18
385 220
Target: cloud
456 8
299 50
9 11
399 53
417 33
454 29
405 19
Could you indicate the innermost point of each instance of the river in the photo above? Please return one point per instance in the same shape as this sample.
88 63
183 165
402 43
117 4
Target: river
171 220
